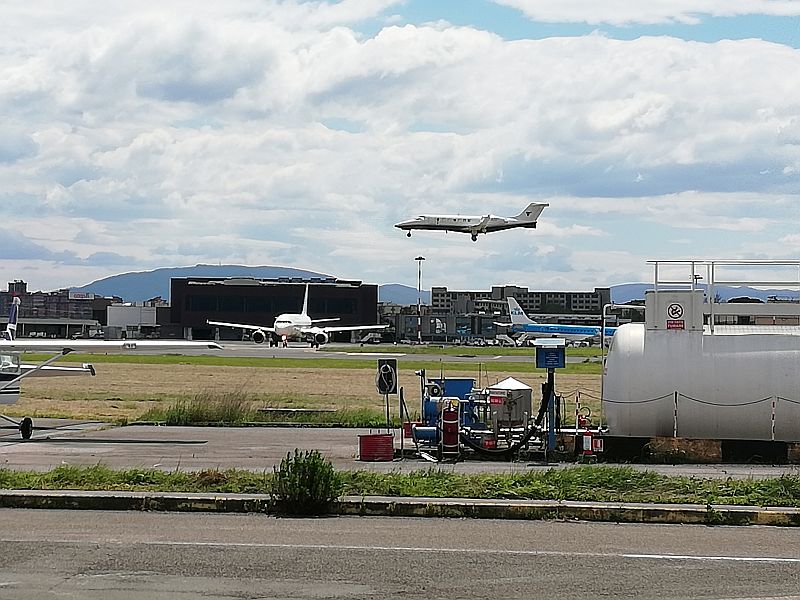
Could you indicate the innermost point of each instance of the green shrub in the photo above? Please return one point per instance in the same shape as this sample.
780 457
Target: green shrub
304 484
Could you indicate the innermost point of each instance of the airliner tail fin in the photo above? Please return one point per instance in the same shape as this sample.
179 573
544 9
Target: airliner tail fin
518 316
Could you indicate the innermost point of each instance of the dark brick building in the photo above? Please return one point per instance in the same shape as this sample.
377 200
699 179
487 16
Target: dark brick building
258 301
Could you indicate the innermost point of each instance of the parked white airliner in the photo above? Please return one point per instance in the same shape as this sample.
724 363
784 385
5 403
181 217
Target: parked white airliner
12 370
297 326
474 224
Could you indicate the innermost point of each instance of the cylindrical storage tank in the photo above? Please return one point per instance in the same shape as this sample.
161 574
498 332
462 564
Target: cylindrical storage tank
376 447
726 384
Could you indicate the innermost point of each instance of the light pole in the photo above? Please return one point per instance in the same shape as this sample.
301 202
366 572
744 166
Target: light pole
419 260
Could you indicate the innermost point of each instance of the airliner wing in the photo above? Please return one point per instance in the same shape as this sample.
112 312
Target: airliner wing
342 328
242 326
66 346
324 320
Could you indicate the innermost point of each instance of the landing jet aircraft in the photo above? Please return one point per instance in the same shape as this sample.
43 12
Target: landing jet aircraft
521 323
474 225
12 370
297 326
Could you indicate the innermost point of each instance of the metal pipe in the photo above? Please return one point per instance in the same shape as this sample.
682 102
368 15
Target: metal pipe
419 260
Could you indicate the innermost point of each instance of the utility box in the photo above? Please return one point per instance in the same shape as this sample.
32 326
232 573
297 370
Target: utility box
509 402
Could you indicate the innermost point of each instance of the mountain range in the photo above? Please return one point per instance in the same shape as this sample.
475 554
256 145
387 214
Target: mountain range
620 294
144 285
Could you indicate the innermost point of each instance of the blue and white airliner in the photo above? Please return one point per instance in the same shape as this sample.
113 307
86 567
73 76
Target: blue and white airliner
521 323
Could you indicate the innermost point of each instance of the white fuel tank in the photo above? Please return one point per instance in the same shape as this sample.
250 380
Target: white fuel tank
726 384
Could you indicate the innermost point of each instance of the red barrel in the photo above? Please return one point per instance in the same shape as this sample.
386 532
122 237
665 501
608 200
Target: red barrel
375 447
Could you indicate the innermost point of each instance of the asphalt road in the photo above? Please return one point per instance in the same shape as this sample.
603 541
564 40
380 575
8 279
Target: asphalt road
256 448
54 554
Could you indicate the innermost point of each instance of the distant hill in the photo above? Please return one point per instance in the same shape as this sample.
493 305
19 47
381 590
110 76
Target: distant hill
143 285
401 294
626 292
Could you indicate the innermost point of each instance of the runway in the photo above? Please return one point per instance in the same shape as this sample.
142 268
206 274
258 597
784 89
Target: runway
145 555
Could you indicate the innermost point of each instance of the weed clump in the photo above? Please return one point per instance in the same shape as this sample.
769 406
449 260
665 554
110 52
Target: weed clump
304 484
231 408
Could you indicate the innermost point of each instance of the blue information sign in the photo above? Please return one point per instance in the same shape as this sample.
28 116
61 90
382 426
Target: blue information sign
550 358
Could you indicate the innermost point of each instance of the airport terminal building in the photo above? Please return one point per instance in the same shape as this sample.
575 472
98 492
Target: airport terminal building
57 314
194 300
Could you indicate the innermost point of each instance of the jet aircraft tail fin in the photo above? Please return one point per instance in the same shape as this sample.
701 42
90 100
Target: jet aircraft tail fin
518 316
13 314
532 211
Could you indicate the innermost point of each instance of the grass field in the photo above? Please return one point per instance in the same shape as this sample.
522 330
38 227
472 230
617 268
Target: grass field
458 350
128 387
587 367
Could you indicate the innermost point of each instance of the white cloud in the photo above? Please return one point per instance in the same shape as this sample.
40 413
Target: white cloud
625 12
176 141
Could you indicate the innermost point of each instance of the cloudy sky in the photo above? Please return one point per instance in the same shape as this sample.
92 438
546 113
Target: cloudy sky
144 134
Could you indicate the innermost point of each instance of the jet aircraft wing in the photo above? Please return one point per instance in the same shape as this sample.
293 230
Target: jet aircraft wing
305 330
242 326
483 223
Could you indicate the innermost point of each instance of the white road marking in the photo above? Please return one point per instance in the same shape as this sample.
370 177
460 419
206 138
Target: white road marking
417 549
368 354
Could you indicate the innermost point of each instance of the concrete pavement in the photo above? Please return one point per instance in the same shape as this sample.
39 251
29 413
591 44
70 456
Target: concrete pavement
259 448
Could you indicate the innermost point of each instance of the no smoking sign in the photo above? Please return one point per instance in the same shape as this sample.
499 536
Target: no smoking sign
675 311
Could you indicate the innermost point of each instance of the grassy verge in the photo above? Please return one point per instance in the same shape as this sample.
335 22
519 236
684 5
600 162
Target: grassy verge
239 408
587 483
458 350
590 368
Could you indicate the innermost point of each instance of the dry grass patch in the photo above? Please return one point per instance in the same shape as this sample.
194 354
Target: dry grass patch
126 391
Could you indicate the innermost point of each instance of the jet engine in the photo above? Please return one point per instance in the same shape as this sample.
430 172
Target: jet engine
320 338
258 336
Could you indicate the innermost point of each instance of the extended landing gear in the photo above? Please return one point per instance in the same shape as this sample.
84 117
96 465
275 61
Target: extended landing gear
474 237
25 426
408 234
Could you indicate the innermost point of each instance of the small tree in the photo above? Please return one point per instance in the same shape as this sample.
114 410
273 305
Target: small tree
304 484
